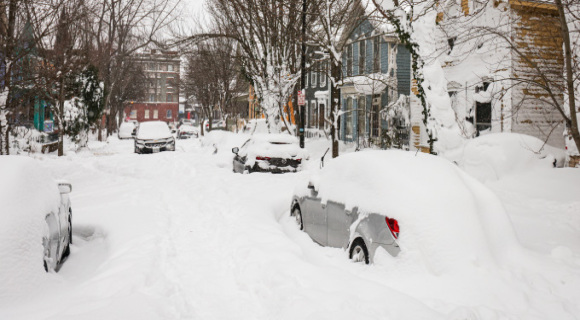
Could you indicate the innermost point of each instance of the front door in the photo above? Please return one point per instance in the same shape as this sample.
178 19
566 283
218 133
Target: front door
339 222
321 116
314 218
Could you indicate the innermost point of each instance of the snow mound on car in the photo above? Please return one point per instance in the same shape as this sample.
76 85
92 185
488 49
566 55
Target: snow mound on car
494 156
448 220
27 195
153 130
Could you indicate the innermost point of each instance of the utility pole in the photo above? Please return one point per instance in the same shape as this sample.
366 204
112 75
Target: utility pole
302 76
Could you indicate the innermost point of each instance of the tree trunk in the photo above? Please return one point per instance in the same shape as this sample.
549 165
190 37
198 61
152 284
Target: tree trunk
569 77
60 119
334 99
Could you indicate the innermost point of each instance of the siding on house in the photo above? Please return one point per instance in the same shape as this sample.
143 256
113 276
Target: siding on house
538 37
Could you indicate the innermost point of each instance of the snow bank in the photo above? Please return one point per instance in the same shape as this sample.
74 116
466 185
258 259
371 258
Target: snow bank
448 220
27 195
493 156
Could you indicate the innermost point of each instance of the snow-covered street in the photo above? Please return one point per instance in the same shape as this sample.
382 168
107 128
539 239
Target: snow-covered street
177 235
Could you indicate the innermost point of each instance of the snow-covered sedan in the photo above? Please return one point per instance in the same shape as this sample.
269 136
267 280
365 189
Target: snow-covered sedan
154 136
35 219
397 201
126 130
276 153
187 131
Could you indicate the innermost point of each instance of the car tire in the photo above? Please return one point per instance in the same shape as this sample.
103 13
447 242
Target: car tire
296 213
358 251
66 252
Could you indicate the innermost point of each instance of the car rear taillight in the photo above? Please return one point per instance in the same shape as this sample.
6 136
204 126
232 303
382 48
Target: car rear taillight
393 226
299 160
263 158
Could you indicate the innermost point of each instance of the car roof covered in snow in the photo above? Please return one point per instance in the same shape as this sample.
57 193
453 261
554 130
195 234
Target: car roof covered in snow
442 212
153 130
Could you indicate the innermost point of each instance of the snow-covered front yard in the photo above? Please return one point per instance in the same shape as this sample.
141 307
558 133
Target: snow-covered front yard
177 235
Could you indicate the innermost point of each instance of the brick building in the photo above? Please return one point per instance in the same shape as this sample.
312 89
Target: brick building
162 99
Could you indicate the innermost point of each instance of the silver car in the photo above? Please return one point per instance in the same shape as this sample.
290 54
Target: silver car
153 137
330 224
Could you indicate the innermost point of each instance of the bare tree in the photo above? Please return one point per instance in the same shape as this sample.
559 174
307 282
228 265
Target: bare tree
268 35
119 29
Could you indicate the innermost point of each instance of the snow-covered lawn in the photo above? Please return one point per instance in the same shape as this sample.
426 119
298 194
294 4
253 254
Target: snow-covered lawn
177 235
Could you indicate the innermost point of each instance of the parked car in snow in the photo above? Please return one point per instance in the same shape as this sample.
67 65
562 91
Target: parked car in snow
215 125
35 217
154 136
397 200
187 131
127 130
276 153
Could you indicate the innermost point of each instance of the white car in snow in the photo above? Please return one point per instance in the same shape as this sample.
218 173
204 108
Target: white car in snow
400 201
35 218
276 153
127 130
154 136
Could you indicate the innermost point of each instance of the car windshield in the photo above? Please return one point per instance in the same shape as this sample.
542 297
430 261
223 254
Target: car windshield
153 130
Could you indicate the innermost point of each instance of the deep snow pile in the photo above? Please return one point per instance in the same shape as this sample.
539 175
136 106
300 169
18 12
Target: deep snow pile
494 156
177 235
448 220
27 195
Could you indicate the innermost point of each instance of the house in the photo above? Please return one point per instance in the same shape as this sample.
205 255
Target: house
317 90
162 99
494 57
376 87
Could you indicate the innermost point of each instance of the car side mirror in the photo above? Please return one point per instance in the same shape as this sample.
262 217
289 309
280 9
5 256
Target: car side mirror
64 187
235 150
311 187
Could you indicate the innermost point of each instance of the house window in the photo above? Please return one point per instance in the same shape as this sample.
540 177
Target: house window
349 60
146 116
313 79
451 42
151 98
375 115
482 116
168 115
169 97
323 76
169 67
133 114
313 113
155 114
361 112
348 119
361 57
377 54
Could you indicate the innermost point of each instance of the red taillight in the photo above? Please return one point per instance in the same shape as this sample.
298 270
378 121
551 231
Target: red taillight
299 160
263 158
393 226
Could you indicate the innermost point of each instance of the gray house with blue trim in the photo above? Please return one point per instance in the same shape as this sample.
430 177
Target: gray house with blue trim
376 87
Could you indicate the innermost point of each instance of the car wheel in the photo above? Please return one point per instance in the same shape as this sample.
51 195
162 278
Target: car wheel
359 252
66 252
297 214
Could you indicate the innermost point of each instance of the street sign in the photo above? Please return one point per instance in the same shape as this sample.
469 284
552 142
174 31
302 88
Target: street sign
301 98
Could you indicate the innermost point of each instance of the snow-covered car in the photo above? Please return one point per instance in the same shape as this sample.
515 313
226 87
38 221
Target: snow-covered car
397 201
276 153
126 130
186 131
215 125
154 136
35 218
